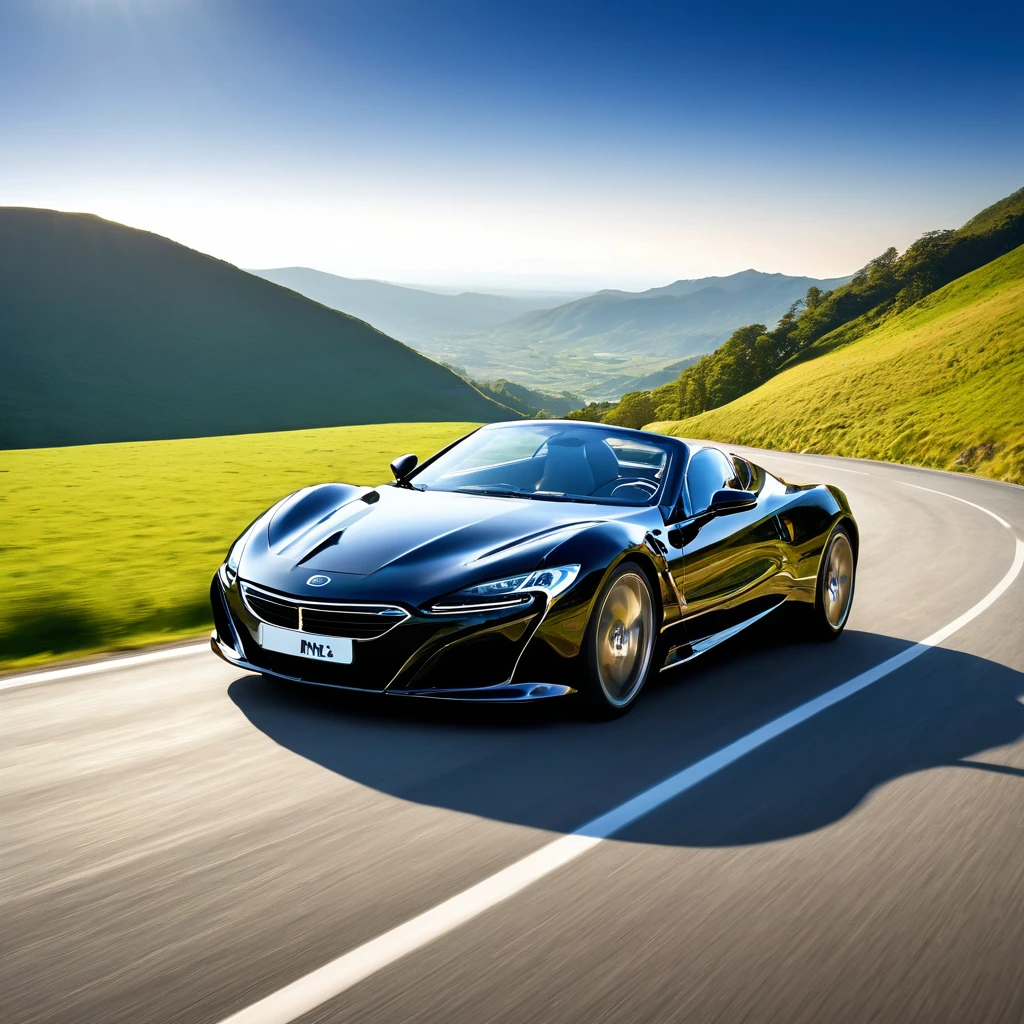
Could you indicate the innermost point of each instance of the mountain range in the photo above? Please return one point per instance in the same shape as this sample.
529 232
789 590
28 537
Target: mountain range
417 316
599 345
679 319
108 333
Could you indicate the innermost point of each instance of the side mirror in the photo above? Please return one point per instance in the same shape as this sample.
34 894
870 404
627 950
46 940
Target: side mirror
403 466
730 500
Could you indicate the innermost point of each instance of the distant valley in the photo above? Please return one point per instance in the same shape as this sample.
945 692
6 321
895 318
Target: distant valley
599 346
417 316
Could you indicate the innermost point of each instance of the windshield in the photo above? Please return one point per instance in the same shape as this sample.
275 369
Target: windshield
551 461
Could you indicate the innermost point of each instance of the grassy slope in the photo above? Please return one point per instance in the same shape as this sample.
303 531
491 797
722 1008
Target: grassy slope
112 334
940 385
527 401
117 543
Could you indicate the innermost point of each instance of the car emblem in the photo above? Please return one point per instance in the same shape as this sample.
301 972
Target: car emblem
318 581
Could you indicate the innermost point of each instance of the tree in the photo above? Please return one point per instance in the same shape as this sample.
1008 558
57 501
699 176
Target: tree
887 260
595 412
634 410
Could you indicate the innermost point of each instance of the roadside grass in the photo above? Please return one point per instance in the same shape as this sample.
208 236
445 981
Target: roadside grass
939 385
113 546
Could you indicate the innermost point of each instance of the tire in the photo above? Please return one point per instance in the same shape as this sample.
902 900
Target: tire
618 646
833 591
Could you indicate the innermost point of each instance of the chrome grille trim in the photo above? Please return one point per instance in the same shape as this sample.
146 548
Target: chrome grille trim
381 618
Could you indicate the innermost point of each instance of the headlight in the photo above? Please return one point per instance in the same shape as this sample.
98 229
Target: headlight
508 592
229 570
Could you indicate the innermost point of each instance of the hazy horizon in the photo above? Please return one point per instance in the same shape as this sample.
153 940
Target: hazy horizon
484 146
508 285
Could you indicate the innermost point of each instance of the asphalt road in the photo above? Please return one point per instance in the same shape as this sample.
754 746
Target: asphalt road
180 840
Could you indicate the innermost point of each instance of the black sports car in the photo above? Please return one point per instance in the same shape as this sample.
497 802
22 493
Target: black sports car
528 560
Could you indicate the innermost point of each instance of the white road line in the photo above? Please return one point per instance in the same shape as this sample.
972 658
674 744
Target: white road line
964 501
333 978
106 665
799 462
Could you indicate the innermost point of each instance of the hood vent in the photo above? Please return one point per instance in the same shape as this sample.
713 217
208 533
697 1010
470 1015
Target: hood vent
322 546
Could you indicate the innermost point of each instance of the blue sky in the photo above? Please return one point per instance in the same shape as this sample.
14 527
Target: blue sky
525 145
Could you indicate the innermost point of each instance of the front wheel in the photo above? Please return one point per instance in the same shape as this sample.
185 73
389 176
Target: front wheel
619 642
833 594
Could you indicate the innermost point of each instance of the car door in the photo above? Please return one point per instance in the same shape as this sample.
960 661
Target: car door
723 564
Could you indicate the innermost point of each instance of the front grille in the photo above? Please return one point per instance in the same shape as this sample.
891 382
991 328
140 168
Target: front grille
277 613
327 618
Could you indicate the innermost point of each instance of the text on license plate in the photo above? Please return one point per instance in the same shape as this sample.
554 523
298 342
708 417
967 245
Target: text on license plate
337 649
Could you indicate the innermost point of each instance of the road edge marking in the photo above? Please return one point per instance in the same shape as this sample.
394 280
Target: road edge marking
964 501
106 665
335 977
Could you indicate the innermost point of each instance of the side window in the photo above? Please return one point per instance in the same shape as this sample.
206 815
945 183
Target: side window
709 471
744 473
751 477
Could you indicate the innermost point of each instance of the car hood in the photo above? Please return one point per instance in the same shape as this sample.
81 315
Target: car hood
432 540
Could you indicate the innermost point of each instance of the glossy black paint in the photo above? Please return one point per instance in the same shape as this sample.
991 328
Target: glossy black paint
403 466
715 570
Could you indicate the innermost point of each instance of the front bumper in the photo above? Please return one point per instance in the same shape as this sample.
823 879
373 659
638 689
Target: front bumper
472 657
503 693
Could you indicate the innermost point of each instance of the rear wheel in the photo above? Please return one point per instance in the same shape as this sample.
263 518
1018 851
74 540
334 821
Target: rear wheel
833 594
619 642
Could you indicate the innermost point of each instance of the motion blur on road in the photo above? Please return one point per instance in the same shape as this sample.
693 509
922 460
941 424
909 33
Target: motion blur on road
181 841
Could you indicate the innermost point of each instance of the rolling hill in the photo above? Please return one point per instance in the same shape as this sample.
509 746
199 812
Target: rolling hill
659 377
680 319
528 402
414 315
600 344
939 384
112 334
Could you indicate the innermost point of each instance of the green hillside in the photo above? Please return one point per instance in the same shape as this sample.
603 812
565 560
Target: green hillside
119 542
940 384
111 334
528 401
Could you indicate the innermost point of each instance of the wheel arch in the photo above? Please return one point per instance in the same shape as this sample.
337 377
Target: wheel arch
650 570
850 524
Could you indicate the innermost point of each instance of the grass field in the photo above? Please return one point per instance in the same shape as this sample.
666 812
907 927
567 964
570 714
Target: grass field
114 545
940 385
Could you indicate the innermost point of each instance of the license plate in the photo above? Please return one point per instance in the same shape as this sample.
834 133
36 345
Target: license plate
337 649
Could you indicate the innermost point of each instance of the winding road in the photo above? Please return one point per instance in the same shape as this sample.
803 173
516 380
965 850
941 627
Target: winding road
779 832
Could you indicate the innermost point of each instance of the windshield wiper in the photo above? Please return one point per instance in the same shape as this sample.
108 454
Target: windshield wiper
500 491
559 496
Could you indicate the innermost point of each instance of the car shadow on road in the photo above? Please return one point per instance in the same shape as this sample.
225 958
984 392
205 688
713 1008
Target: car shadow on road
539 766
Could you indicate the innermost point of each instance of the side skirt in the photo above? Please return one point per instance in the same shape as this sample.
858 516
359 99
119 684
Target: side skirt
687 652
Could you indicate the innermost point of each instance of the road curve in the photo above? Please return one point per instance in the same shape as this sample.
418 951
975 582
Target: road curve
181 841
